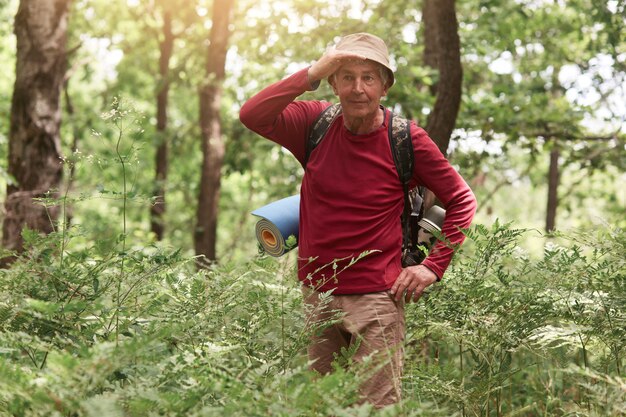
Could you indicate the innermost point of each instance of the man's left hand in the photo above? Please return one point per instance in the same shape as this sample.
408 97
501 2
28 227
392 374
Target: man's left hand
413 280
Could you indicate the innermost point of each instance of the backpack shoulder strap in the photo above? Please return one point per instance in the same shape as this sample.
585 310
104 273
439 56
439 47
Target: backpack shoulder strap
404 159
401 147
318 129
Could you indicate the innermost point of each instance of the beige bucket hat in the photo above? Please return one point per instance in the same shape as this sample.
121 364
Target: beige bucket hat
370 46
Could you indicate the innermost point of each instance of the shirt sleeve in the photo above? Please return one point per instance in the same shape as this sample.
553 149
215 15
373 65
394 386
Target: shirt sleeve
433 171
275 114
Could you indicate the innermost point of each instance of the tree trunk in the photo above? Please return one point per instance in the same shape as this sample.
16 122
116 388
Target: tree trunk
157 210
443 117
431 47
34 140
205 235
443 49
554 169
553 186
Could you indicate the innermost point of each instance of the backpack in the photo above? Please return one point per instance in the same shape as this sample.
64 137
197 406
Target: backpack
402 150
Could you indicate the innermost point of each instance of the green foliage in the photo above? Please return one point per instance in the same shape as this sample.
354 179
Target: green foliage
503 334
502 324
97 320
114 52
8 8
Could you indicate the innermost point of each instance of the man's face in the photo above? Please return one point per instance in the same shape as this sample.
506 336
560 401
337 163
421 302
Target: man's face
359 87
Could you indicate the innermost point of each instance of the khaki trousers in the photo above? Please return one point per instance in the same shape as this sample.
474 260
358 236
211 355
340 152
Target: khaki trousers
372 325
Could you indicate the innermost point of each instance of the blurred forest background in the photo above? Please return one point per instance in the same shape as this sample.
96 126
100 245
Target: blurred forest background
120 141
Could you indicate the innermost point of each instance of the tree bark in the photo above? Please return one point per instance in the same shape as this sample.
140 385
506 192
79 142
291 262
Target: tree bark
553 186
157 210
34 139
205 236
431 46
443 117
443 51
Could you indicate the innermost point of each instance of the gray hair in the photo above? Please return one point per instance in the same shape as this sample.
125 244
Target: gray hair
384 74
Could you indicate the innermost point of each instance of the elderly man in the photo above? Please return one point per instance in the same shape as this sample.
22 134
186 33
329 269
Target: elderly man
351 203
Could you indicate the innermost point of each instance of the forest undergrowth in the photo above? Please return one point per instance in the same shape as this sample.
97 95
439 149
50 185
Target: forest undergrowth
141 332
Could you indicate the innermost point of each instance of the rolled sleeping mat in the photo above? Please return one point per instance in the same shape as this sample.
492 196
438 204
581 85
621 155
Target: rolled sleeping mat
279 220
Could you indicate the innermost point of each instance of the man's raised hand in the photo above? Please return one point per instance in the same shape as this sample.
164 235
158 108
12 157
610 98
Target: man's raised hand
330 62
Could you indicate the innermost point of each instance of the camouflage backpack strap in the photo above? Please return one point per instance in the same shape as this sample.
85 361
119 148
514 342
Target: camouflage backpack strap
404 159
319 128
401 147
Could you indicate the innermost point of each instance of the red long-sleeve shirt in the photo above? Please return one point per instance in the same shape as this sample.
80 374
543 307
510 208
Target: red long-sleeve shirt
351 197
